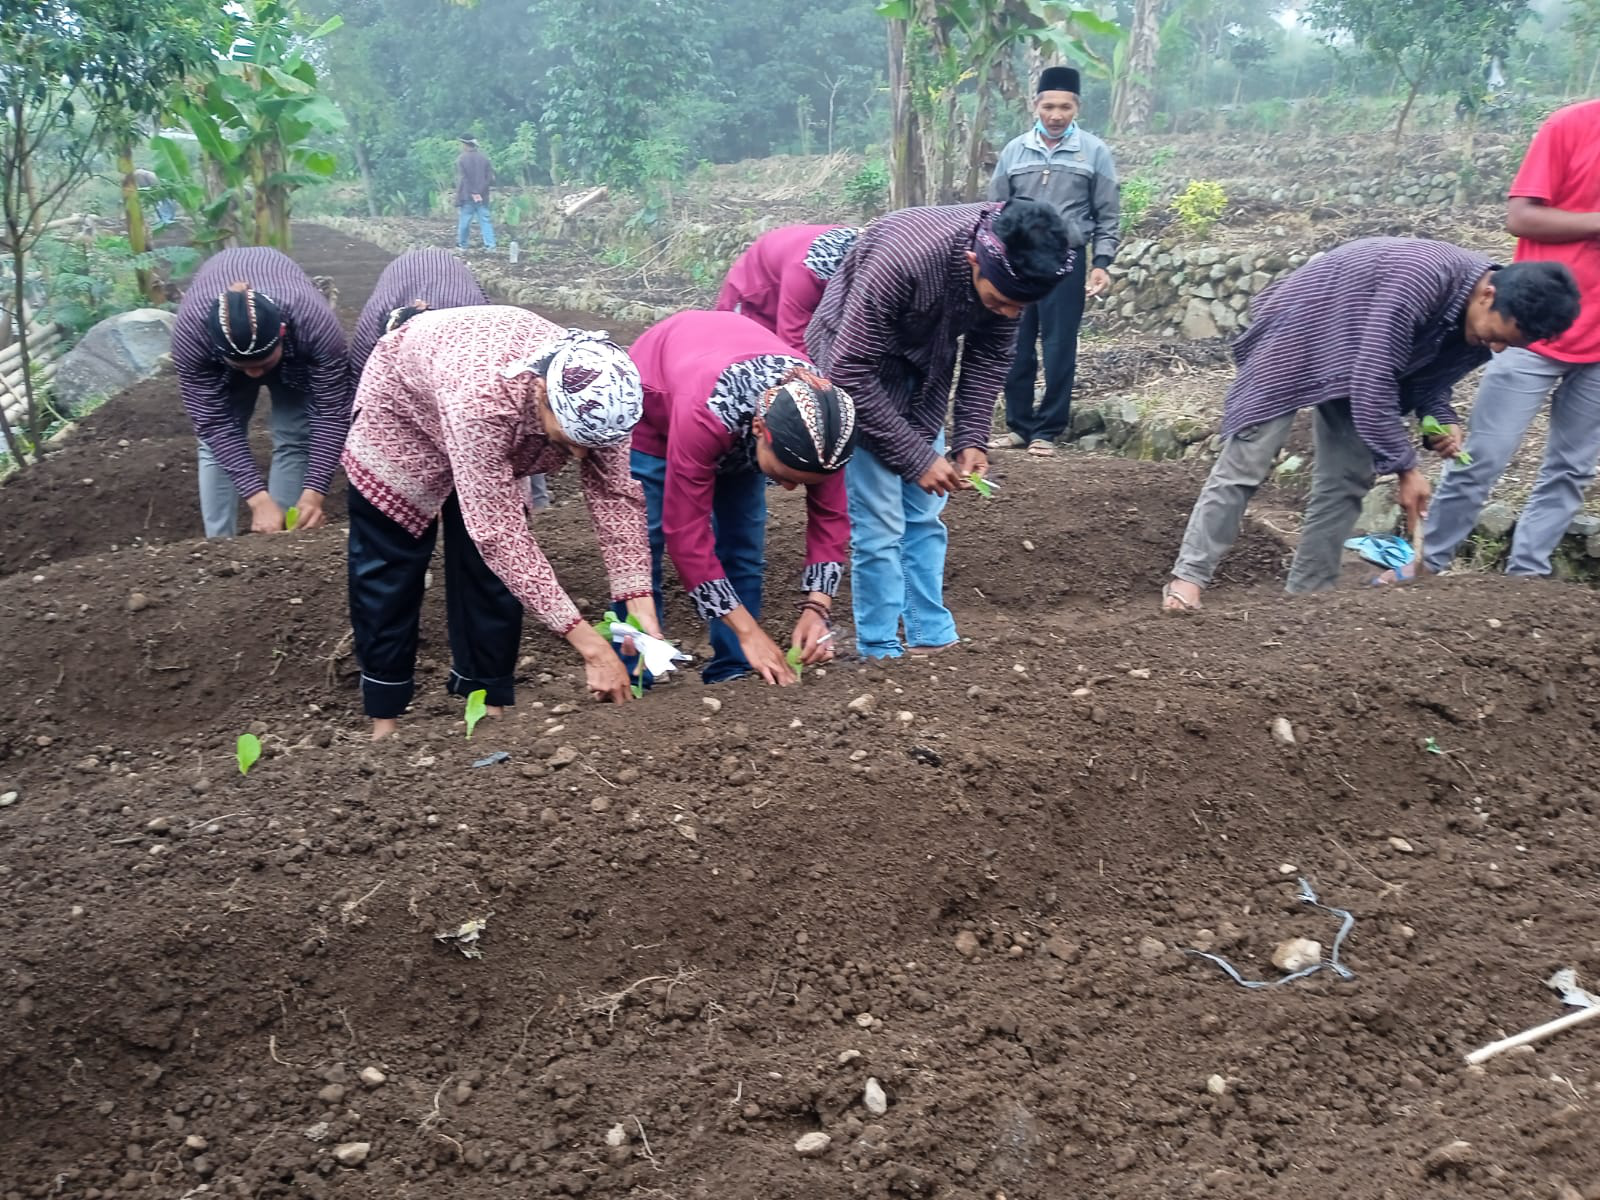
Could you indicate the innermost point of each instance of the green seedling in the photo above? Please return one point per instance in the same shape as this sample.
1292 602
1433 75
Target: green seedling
477 706
793 659
1432 428
984 486
247 750
291 518
1431 745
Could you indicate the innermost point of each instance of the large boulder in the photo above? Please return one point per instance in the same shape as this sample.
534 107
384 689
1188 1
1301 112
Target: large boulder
116 353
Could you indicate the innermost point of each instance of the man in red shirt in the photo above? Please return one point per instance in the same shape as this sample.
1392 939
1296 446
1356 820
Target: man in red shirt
1554 211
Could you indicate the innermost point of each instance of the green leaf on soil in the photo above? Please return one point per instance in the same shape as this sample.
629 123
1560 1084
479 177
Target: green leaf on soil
985 488
477 706
1431 745
248 750
793 659
291 518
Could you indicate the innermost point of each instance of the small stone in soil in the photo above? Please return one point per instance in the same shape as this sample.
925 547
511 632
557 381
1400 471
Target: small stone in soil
1297 954
372 1077
1456 1154
138 602
1282 731
1400 844
1151 948
599 804
1217 1085
7 799
352 1154
967 943
564 756
332 1094
846 1057
812 1145
906 717
1063 948
863 703
616 1136
712 703
873 1099
857 755
1139 673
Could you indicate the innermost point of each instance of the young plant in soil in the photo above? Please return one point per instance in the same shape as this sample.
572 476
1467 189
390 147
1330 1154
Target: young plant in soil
247 750
793 659
985 487
291 518
603 628
477 706
1432 428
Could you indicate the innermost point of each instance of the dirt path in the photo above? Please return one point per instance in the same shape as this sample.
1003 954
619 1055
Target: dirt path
708 928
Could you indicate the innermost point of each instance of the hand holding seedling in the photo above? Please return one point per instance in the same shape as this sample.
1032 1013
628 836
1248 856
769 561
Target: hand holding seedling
309 511
603 671
984 487
811 642
1445 440
971 462
760 651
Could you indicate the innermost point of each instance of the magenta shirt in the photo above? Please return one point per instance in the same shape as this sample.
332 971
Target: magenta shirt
771 284
691 393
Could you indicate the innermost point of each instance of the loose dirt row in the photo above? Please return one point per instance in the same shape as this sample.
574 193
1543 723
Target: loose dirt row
708 925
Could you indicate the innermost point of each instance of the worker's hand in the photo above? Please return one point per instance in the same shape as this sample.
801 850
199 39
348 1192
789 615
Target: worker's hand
971 461
604 672
1413 493
809 634
265 515
940 479
1099 281
311 514
1446 445
765 658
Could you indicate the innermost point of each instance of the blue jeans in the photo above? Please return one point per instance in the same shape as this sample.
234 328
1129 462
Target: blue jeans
464 226
739 524
897 549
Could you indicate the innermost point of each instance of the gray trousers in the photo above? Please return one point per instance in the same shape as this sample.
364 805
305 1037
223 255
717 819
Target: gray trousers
291 451
1513 390
1342 475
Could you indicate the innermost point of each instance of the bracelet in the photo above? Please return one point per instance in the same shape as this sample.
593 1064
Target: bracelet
821 610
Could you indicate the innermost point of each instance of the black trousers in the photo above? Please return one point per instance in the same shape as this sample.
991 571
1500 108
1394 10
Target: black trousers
388 572
1053 321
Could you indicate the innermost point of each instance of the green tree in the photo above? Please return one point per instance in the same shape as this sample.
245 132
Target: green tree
624 65
74 74
1424 42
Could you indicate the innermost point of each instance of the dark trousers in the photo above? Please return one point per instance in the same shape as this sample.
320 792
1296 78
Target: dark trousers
388 572
1053 321
739 525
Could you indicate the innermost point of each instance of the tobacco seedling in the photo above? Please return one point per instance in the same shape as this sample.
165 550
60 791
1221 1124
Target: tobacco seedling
291 518
477 706
1431 745
603 628
247 750
985 487
1432 428
793 659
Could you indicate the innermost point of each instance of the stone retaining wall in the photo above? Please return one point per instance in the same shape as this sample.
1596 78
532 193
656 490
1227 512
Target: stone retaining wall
1196 292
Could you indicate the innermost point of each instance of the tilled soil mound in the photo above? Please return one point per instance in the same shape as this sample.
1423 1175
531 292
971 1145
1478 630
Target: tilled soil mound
936 910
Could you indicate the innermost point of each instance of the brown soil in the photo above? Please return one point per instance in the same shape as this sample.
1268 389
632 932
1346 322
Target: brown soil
707 929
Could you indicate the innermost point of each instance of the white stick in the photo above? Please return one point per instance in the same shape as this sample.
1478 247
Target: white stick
1537 1034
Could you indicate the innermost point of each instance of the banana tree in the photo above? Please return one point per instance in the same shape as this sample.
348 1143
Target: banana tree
931 39
256 117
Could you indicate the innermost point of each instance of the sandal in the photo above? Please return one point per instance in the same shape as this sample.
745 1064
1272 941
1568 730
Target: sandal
930 651
1007 441
1177 605
1042 449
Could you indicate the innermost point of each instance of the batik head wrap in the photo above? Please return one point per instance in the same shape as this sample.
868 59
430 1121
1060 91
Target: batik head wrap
812 424
828 251
244 324
995 260
592 384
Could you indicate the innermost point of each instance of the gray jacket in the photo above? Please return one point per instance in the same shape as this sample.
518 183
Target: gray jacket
1078 177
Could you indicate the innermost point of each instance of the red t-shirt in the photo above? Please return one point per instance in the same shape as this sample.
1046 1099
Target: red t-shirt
1562 168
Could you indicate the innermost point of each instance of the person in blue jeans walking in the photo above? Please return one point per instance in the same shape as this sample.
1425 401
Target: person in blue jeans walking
474 175
728 408
922 288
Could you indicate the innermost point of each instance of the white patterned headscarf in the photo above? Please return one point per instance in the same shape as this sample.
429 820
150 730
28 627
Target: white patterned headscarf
828 250
593 386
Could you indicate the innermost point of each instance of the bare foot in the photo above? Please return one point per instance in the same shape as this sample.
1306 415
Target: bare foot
382 727
494 710
1180 596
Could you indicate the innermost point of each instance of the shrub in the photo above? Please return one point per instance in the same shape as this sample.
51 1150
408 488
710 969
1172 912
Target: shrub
868 189
1199 205
1137 193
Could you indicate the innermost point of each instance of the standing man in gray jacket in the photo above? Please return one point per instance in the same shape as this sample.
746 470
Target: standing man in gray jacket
1060 164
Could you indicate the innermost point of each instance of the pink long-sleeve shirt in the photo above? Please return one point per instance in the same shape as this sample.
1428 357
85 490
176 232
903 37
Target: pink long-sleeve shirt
771 284
703 373
434 414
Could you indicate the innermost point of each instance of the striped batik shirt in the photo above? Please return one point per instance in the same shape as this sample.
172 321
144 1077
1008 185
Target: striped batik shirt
315 363
1378 322
889 330
436 276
